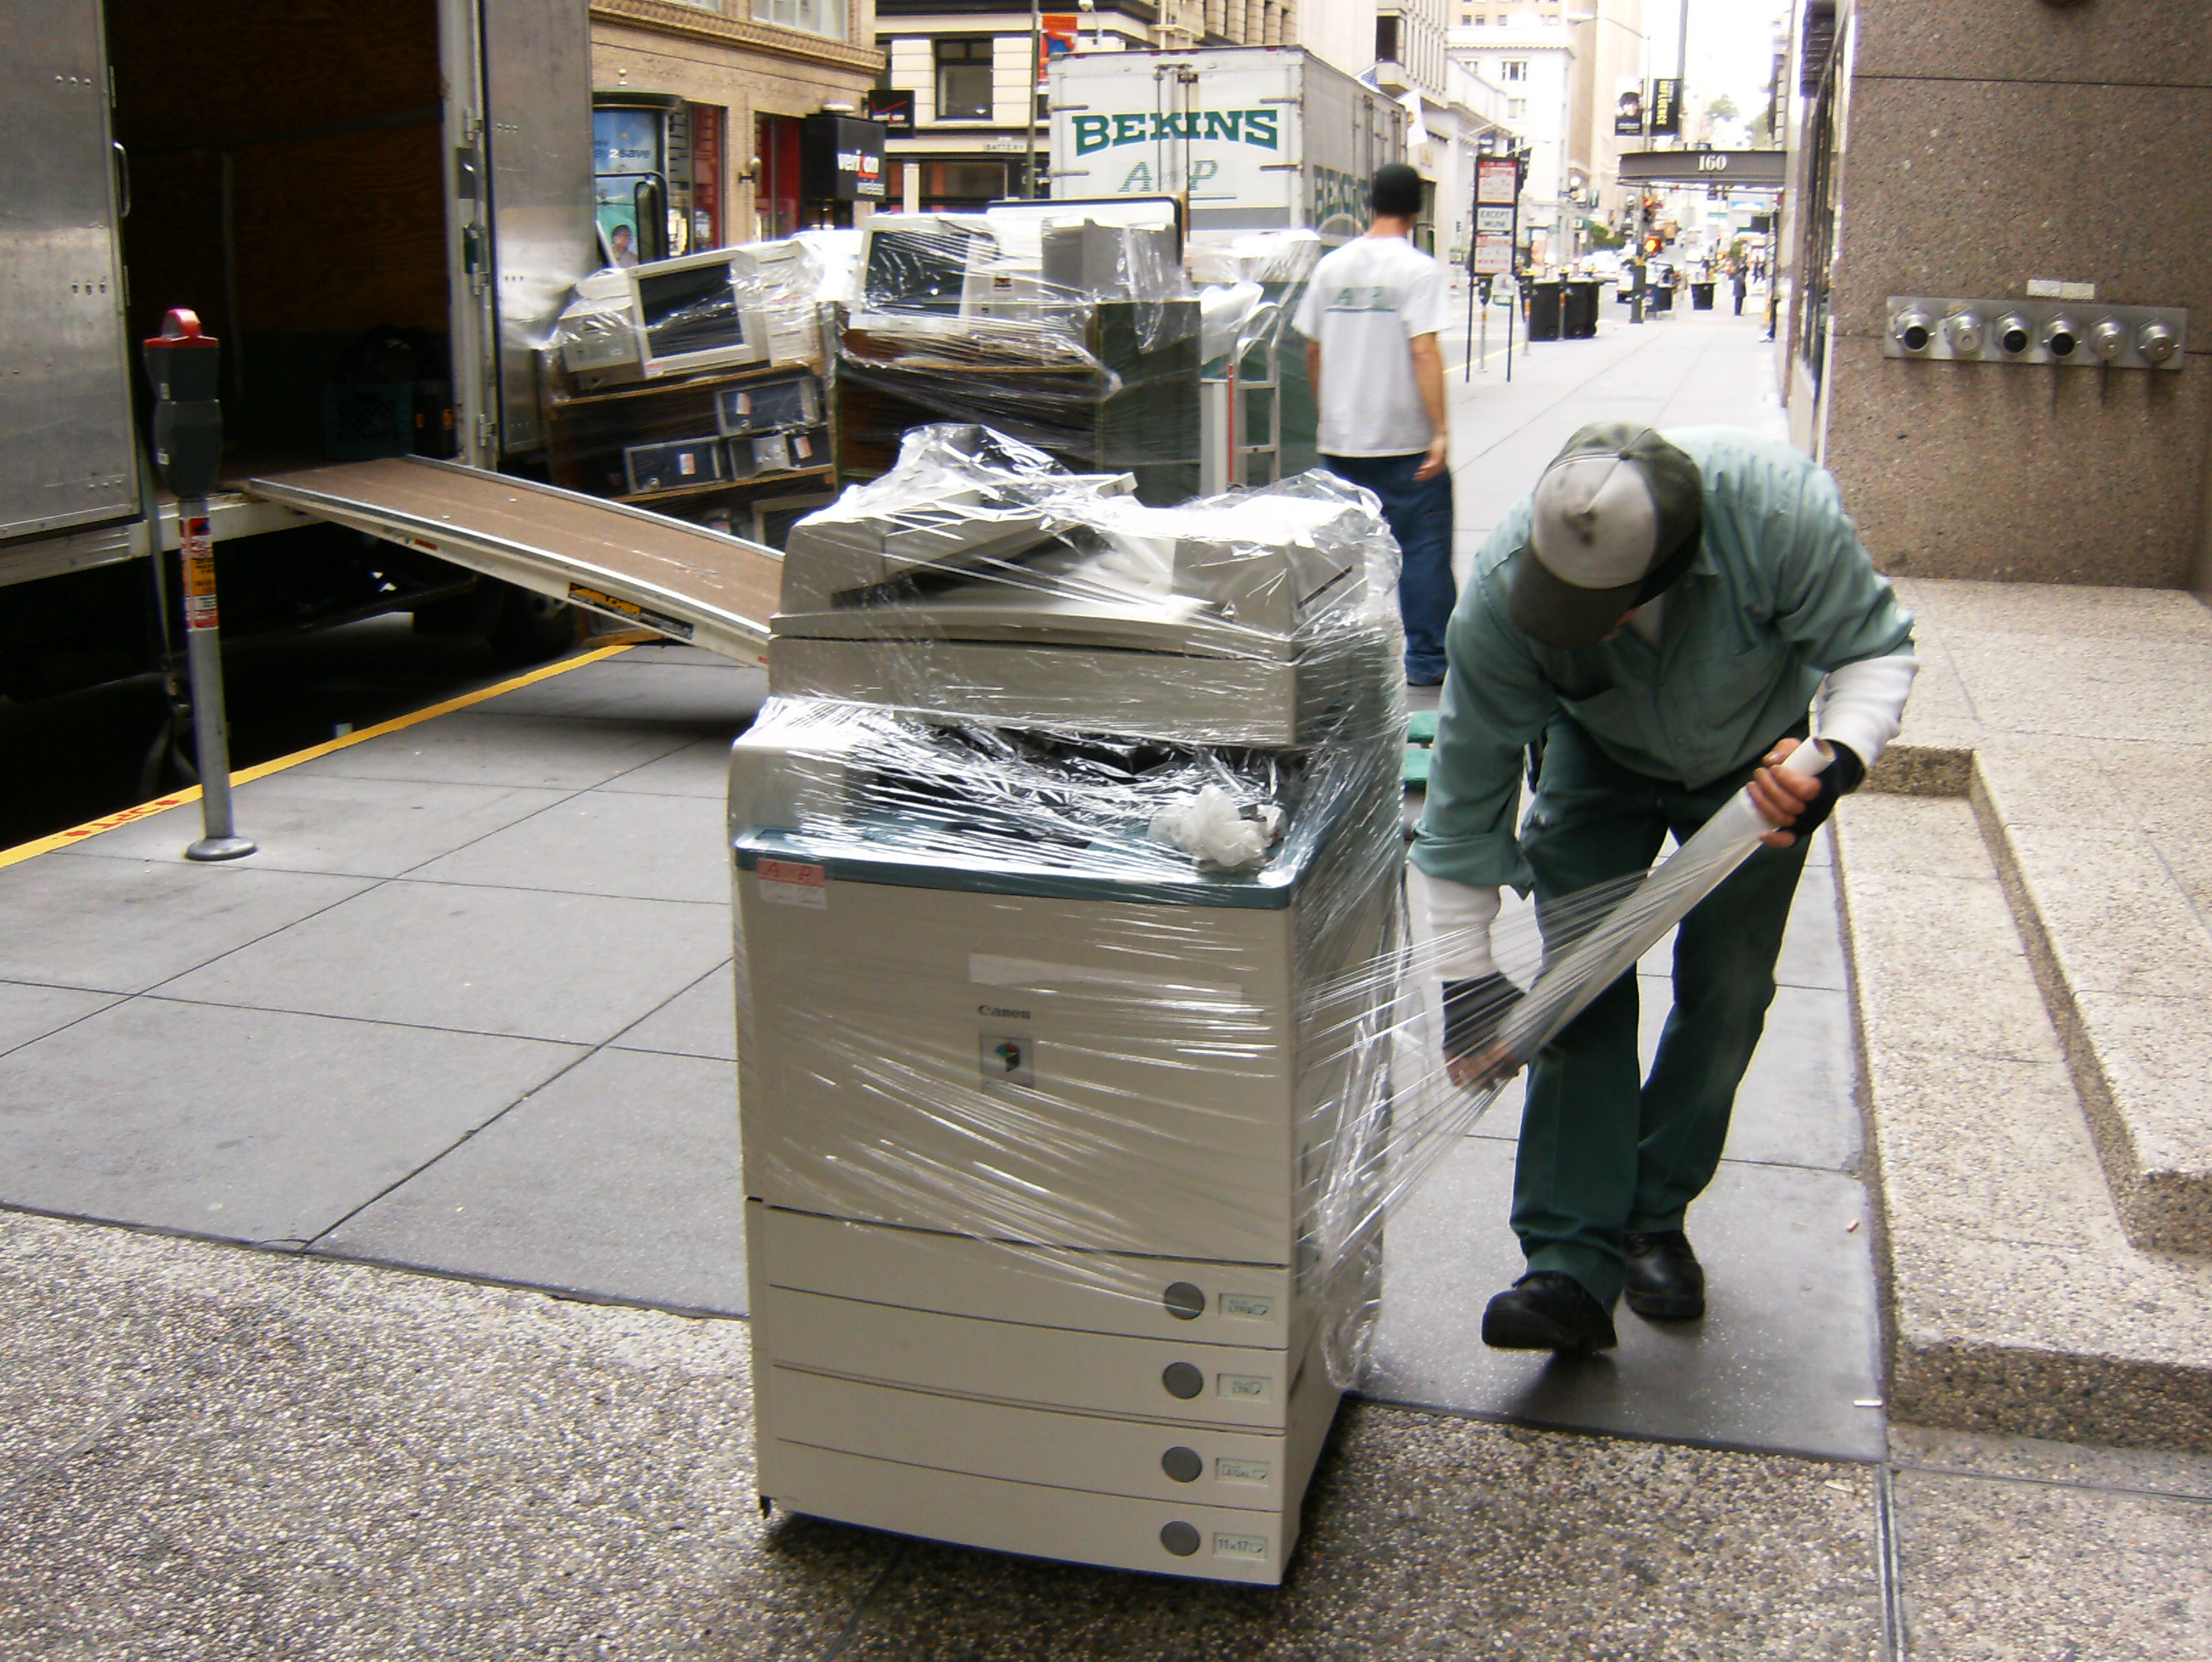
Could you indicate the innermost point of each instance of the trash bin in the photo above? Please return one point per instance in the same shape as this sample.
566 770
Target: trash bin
1584 298
1545 302
1663 297
1701 297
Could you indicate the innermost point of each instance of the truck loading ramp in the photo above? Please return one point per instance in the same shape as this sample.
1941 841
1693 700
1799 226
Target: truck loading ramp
680 579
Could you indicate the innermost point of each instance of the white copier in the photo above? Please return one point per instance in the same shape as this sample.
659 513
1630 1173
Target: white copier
1059 1142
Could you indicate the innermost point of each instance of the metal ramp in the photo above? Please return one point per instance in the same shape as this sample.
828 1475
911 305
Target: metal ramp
682 581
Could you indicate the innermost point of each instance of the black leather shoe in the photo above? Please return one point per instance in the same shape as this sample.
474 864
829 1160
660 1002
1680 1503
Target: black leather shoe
1666 1282
1548 1310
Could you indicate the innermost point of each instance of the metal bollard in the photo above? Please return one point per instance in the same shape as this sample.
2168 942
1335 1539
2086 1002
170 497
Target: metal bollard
185 367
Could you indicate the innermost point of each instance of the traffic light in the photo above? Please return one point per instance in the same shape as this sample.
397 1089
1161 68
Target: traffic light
1652 245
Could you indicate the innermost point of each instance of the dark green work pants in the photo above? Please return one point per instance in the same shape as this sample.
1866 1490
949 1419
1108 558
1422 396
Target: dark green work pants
1604 1150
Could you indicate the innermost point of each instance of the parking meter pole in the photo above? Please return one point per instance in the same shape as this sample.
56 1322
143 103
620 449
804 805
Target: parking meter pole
1474 288
185 367
203 663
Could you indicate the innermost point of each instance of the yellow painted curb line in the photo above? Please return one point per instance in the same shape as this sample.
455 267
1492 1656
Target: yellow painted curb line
62 839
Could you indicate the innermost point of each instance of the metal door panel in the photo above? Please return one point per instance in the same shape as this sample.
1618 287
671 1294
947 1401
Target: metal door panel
67 456
538 111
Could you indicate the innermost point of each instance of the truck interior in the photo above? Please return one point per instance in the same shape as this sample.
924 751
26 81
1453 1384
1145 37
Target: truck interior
286 182
281 176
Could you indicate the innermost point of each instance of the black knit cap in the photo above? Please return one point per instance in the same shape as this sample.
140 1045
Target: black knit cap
1396 191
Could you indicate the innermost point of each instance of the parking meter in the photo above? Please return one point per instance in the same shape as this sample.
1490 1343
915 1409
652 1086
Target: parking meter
186 368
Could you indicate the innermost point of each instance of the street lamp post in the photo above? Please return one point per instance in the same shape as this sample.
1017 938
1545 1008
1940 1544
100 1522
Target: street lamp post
1029 92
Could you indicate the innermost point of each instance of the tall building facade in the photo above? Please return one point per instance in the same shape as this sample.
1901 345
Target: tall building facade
1611 56
2069 154
1531 63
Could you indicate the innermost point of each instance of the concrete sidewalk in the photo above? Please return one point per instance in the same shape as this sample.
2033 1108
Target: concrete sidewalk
469 1012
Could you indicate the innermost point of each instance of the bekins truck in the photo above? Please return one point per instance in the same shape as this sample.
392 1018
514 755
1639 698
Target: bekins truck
1253 139
377 208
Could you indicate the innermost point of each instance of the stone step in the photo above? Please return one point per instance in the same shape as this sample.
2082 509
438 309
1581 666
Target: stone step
2079 722
2126 964
2020 1302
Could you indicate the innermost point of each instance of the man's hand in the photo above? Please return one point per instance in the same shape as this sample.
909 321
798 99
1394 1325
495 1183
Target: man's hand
1437 458
1473 1011
1802 802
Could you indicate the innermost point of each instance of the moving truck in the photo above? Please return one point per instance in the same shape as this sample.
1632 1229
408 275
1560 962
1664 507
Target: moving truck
1251 137
378 209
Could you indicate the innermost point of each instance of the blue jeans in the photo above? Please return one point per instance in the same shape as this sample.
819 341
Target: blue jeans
1420 517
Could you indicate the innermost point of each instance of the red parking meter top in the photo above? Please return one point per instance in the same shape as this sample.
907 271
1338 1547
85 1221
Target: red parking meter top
181 328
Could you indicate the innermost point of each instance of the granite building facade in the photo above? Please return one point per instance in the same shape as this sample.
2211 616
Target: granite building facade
1999 149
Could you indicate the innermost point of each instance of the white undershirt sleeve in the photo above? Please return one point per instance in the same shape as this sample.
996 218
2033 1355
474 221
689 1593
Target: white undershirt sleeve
1862 704
1460 917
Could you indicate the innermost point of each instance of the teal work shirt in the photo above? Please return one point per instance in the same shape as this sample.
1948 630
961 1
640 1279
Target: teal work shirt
1781 593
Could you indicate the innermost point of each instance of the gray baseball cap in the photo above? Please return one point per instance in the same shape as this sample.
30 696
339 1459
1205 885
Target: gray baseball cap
1617 516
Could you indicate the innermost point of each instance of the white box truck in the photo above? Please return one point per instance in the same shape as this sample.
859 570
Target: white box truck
309 179
1253 138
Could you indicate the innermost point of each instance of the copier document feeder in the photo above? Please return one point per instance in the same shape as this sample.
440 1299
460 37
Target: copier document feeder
977 579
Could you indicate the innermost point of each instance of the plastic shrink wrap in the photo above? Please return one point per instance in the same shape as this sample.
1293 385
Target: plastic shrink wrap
697 386
1258 412
1086 1046
1060 1128
1068 326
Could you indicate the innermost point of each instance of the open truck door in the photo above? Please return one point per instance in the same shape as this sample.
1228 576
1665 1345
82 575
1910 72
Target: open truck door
68 455
519 131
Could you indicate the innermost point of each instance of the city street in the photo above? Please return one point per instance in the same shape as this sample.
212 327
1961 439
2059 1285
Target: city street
372 1282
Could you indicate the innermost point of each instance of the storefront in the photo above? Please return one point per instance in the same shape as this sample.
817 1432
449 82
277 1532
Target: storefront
657 166
700 117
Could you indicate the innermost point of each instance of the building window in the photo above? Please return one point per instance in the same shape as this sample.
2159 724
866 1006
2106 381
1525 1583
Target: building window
1386 39
963 81
1514 69
942 186
1516 109
809 16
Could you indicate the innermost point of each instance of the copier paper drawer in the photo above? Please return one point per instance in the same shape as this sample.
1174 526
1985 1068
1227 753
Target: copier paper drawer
1098 1373
1176 1299
1204 1466
1165 1537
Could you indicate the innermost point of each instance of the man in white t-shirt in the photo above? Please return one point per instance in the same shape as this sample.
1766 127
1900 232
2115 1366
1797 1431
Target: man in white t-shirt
1371 317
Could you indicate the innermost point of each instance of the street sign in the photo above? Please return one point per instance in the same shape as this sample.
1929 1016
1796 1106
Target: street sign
1497 213
893 110
1767 169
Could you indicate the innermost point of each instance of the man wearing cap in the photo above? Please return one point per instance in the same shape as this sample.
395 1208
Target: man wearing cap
1373 314
1658 616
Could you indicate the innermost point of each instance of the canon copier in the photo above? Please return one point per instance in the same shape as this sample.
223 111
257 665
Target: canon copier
1059 1140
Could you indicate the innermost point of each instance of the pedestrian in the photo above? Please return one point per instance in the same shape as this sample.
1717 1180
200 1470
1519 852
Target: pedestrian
1659 614
1740 285
1372 316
